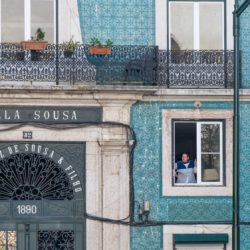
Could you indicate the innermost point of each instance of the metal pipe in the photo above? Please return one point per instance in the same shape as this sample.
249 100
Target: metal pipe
236 157
235 227
57 42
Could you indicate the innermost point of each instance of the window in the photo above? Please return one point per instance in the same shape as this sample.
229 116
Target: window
21 18
208 136
12 20
42 15
203 141
203 241
197 237
200 247
196 25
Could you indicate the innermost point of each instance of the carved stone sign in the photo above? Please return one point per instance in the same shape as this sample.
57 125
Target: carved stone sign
50 114
40 161
40 179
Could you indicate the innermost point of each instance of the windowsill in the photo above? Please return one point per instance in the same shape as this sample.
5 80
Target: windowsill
198 185
168 189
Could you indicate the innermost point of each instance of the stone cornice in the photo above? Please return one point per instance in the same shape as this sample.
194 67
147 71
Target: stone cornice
89 94
107 94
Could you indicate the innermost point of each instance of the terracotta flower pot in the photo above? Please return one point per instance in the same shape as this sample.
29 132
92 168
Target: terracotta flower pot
34 45
100 50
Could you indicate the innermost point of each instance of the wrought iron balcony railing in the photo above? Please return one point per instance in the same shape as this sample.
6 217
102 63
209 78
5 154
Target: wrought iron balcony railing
126 65
196 69
49 65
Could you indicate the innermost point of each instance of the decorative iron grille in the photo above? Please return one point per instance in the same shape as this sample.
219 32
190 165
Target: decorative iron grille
55 240
26 65
126 65
28 176
196 69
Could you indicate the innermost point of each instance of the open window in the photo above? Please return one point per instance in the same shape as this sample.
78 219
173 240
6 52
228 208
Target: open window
207 134
203 141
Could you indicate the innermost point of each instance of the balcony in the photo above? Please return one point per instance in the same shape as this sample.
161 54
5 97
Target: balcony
126 65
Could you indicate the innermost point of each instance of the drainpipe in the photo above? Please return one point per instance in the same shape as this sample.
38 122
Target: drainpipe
236 230
57 42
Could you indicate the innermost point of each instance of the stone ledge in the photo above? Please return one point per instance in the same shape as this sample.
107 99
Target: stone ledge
125 91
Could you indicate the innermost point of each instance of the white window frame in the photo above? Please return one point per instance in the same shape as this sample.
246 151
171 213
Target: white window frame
196 19
168 189
27 20
161 23
199 153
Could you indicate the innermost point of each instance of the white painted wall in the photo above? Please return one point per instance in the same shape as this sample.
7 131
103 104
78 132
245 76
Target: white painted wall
161 23
230 39
0 20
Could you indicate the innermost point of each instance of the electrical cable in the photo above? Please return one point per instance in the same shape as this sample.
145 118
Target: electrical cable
131 136
55 126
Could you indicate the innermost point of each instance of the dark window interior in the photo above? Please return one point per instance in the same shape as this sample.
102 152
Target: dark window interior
185 139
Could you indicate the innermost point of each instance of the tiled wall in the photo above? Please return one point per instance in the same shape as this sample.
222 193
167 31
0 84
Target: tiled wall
147 122
245 47
133 23
244 238
124 22
244 163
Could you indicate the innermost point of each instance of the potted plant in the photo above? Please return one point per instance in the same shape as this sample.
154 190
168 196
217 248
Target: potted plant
36 43
96 47
69 47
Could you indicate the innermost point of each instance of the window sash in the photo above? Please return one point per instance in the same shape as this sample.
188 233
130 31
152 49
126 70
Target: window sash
27 11
196 22
199 154
11 20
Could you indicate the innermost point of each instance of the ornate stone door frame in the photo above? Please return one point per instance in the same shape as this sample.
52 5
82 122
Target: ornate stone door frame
107 177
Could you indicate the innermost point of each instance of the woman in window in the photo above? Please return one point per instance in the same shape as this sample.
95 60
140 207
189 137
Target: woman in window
185 169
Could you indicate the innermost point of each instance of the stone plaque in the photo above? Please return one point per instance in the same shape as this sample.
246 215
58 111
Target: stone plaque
50 114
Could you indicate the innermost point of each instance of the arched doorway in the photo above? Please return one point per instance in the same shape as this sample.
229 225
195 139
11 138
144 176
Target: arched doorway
44 194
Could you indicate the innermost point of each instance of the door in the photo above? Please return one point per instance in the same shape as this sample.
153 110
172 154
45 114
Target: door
42 195
48 237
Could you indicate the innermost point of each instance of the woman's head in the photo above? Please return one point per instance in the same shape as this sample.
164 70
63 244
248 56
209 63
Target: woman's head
185 157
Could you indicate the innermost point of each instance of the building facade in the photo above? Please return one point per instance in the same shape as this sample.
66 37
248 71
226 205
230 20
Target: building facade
90 141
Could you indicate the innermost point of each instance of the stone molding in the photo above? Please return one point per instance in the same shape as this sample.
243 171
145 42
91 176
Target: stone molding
167 188
107 177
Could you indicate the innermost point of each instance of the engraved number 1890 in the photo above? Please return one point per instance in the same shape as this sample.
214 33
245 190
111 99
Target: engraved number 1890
27 209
